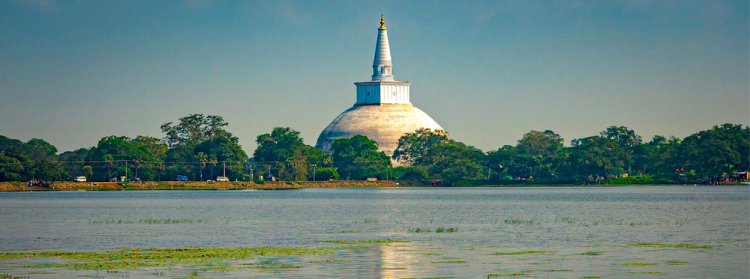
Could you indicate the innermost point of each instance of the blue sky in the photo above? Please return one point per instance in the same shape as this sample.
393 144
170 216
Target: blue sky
72 72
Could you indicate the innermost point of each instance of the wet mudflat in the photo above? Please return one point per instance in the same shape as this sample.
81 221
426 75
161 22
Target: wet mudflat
669 232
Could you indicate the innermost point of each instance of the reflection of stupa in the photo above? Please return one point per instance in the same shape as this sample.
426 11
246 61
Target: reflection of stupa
382 111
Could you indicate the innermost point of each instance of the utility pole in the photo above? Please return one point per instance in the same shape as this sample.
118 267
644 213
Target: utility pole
315 167
225 168
126 171
252 174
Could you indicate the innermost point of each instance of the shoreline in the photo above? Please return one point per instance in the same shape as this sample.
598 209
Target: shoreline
68 186
190 185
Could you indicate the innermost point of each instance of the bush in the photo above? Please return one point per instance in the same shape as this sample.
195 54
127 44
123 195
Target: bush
326 174
636 179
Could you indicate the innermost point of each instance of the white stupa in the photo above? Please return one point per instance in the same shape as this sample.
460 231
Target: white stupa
382 111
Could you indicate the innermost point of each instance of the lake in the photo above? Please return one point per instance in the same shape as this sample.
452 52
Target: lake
539 232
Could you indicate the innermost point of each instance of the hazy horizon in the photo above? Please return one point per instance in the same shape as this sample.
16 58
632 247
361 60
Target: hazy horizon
72 72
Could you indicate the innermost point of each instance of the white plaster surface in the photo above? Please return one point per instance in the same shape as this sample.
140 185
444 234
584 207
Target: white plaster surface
384 123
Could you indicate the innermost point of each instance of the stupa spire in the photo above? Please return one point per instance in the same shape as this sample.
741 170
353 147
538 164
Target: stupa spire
382 67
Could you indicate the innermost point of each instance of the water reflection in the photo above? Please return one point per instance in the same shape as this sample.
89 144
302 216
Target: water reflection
397 261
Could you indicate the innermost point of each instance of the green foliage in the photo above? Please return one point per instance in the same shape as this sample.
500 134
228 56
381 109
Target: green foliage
415 146
88 171
454 161
75 161
657 157
126 258
201 142
11 169
283 154
720 150
441 158
194 129
413 173
595 157
358 158
35 159
224 149
328 173
626 138
112 151
537 155
631 180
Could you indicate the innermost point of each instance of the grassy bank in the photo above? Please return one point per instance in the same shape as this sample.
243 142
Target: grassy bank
190 185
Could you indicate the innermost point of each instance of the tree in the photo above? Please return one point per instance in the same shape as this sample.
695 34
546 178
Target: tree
657 157
299 165
594 157
182 158
74 161
194 129
278 150
414 146
43 161
156 147
627 139
536 155
202 160
502 162
159 169
720 150
48 170
358 158
11 169
326 173
110 161
88 171
137 165
38 149
224 149
121 148
454 161
443 158
213 162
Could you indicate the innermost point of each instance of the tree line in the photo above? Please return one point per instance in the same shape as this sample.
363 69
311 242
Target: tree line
199 147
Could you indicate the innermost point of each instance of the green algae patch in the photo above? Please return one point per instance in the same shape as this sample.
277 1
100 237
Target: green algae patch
677 262
670 245
639 264
592 253
326 261
272 266
553 270
529 252
518 222
213 258
648 272
366 242
450 261
498 275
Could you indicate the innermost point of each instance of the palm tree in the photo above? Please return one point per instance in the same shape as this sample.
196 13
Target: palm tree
213 161
202 159
110 162
159 169
137 164
88 171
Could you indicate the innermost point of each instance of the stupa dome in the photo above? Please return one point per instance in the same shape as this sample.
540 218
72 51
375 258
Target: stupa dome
384 123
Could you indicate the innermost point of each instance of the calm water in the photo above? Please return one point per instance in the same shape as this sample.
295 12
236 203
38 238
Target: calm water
565 222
